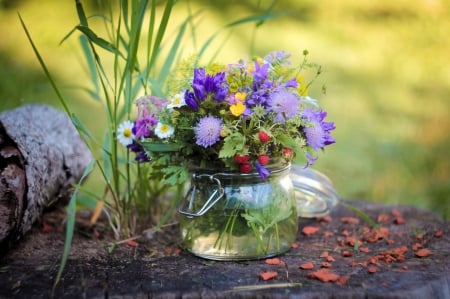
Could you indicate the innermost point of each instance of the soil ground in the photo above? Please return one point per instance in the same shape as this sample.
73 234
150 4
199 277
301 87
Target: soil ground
377 267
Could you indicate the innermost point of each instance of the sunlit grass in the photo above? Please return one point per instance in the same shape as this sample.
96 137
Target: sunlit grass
385 69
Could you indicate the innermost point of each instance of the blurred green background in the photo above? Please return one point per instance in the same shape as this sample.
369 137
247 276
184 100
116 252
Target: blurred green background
386 68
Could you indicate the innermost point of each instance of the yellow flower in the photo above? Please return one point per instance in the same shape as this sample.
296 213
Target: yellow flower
240 96
302 86
237 109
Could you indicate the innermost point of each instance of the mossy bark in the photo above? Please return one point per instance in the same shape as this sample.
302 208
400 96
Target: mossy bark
41 157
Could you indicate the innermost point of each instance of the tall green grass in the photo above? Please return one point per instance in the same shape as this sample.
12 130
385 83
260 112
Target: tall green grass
385 68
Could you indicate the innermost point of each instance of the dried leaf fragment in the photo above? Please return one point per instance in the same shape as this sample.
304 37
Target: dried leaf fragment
275 261
310 230
324 275
438 234
350 220
423 252
268 275
132 243
306 266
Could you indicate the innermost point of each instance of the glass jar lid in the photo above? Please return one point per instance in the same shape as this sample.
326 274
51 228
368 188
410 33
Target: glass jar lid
314 192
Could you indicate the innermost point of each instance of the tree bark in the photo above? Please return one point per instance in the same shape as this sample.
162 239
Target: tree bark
41 157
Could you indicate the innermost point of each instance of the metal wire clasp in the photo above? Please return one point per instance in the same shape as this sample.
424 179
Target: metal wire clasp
190 197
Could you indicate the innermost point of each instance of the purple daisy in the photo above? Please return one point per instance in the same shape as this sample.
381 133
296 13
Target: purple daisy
207 131
284 104
318 135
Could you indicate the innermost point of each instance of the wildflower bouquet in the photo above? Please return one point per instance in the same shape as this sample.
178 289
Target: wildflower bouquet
250 118
239 117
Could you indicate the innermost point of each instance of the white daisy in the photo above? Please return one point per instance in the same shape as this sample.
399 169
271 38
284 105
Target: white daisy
176 101
163 130
125 134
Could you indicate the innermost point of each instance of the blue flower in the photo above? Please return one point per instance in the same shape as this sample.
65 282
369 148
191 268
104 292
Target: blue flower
262 171
284 104
190 100
207 131
318 134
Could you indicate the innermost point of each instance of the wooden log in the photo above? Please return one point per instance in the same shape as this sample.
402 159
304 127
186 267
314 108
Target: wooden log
41 157
386 266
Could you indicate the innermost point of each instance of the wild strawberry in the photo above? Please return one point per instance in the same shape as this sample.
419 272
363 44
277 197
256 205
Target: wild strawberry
263 136
241 159
288 154
263 159
245 167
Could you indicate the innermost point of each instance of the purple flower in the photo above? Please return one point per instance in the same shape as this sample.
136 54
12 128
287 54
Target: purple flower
260 73
207 131
204 85
262 171
311 160
318 135
190 100
141 156
284 104
143 127
277 56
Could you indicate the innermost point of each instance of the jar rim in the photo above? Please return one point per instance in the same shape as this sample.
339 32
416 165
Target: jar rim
279 166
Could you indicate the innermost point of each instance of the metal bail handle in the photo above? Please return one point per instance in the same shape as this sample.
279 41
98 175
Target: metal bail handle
190 197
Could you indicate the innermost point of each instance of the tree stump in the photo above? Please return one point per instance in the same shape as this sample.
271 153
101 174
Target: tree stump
408 258
41 157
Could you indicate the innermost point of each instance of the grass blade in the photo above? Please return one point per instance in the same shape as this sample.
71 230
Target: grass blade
44 67
71 212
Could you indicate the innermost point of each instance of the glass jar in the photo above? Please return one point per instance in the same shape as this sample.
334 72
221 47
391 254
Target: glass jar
314 192
238 216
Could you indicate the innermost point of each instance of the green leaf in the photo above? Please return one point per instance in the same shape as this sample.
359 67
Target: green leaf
162 147
102 43
81 14
258 19
175 175
361 214
71 212
80 127
232 144
290 142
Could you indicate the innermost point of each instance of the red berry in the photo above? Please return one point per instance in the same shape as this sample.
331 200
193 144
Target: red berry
245 167
288 153
263 159
263 136
241 158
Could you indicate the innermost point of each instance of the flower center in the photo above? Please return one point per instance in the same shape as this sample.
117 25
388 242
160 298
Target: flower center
127 132
165 128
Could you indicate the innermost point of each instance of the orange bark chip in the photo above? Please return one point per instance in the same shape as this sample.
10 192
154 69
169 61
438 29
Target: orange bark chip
372 269
438 234
310 230
364 249
423 253
396 213
351 220
46 228
326 218
324 275
275 261
383 218
416 246
132 243
342 280
347 253
268 275
306 266
328 234
399 220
